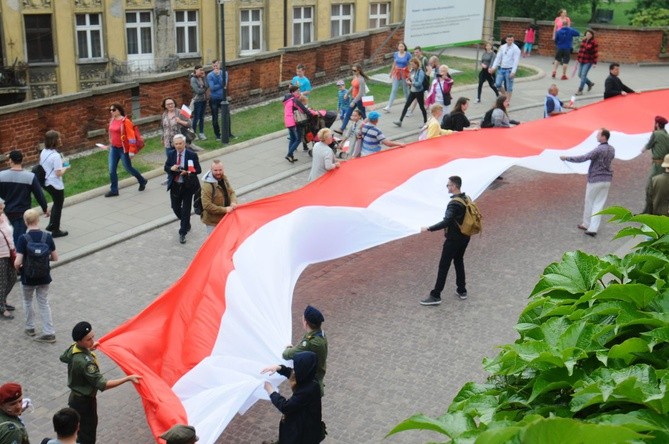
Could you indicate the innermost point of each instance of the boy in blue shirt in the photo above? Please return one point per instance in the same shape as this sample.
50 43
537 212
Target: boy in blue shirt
343 101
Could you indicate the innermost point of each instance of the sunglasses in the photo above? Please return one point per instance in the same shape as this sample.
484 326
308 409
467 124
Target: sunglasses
112 110
354 70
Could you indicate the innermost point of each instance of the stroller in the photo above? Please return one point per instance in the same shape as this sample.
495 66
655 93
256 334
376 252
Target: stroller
322 119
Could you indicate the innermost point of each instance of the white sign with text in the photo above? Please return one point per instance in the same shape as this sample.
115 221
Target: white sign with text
444 22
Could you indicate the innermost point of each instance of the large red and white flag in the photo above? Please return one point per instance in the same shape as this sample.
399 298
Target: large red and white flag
200 346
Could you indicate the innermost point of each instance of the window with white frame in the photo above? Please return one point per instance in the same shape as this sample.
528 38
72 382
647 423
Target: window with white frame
186 32
139 32
379 15
89 36
303 25
250 28
341 20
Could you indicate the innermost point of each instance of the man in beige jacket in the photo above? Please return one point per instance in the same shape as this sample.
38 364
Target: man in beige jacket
218 197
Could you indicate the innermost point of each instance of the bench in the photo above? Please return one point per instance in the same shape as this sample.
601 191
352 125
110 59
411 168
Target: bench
603 15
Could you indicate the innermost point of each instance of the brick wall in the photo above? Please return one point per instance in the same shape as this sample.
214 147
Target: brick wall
624 44
82 118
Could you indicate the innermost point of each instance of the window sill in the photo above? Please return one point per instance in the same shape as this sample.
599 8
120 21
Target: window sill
92 61
43 64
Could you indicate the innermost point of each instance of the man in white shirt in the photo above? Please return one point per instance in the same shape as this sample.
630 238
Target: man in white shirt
506 64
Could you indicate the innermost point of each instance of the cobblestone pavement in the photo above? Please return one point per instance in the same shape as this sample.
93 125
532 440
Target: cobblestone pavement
389 356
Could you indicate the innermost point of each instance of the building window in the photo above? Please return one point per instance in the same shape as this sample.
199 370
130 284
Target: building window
251 30
139 32
303 25
39 38
186 28
89 36
379 15
341 20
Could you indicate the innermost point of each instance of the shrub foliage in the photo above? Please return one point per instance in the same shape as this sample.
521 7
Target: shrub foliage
590 365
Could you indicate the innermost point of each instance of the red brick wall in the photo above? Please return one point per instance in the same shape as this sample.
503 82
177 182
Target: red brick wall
252 80
622 44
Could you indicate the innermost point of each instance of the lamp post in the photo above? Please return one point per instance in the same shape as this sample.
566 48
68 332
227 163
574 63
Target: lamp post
225 106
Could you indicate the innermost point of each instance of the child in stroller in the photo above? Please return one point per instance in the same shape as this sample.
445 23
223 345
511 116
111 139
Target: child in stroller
316 121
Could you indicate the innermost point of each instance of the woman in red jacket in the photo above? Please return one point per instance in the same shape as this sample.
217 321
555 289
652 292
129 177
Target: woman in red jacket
122 146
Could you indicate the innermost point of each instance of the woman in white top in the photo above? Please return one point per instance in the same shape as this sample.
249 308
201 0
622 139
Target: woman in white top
52 163
323 156
7 270
440 90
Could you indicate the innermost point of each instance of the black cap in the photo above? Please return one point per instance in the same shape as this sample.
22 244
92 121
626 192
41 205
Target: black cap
313 315
80 330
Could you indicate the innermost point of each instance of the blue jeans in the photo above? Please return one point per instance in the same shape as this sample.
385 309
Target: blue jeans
504 75
293 139
353 106
583 70
393 91
215 106
19 226
116 154
198 116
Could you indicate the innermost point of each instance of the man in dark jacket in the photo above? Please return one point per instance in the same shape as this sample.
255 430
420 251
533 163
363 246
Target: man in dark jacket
613 86
302 415
455 244
182 168
16 185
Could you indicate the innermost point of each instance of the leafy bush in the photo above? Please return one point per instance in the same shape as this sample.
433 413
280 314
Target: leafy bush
590 365
651 17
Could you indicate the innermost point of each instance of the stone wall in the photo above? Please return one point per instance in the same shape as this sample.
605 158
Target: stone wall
623 44
82 118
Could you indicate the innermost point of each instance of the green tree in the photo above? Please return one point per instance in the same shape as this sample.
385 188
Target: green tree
537 9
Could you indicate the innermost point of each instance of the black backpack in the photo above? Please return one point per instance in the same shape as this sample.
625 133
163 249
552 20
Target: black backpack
487 119
40 173
36 260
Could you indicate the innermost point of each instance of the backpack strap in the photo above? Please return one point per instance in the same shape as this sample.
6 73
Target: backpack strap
43 240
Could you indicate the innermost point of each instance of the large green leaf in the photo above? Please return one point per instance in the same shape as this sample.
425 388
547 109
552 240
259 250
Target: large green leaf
572 431
638 294
638 420
553 379
657 336
629 350
576 273
659 224
452 424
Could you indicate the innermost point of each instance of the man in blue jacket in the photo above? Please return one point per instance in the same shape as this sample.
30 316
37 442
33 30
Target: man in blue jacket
182 167
564 42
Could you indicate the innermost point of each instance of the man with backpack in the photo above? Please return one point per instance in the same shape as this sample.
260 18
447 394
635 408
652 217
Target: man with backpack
34 250
218 197
16 186
460 222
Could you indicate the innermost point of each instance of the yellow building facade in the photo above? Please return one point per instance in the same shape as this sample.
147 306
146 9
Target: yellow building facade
65 46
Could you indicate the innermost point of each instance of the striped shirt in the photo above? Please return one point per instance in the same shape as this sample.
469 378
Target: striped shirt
371 139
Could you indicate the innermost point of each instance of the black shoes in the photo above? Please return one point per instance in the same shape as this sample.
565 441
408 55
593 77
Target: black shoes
290 159
59 233
431 300
182 238
111 194
462 294
142 186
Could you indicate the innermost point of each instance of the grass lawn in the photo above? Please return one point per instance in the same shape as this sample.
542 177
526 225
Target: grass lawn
91 171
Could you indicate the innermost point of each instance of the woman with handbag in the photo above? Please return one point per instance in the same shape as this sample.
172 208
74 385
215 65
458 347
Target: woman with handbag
291 104
52 162
440 91
122 146
7 271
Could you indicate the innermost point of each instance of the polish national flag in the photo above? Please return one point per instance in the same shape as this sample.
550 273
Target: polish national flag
185 111
200 345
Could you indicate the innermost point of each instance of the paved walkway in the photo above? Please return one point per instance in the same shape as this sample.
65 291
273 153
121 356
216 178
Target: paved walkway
96 222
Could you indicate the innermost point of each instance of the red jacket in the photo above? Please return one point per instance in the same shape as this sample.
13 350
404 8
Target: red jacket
588 52
128 138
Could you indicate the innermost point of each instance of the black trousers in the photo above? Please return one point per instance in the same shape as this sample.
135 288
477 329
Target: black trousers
87 407
453 251
58 197
484 76
181 198
420 98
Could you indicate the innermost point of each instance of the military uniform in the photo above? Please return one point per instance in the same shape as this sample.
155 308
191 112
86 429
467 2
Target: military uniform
659 147
12 430
313 341
84 380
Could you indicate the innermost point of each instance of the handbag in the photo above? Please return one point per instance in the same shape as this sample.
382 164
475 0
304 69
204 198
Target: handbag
300 117
187 132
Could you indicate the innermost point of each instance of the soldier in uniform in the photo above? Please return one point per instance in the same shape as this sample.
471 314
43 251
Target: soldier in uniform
84 380
658 145
12 429
313 341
